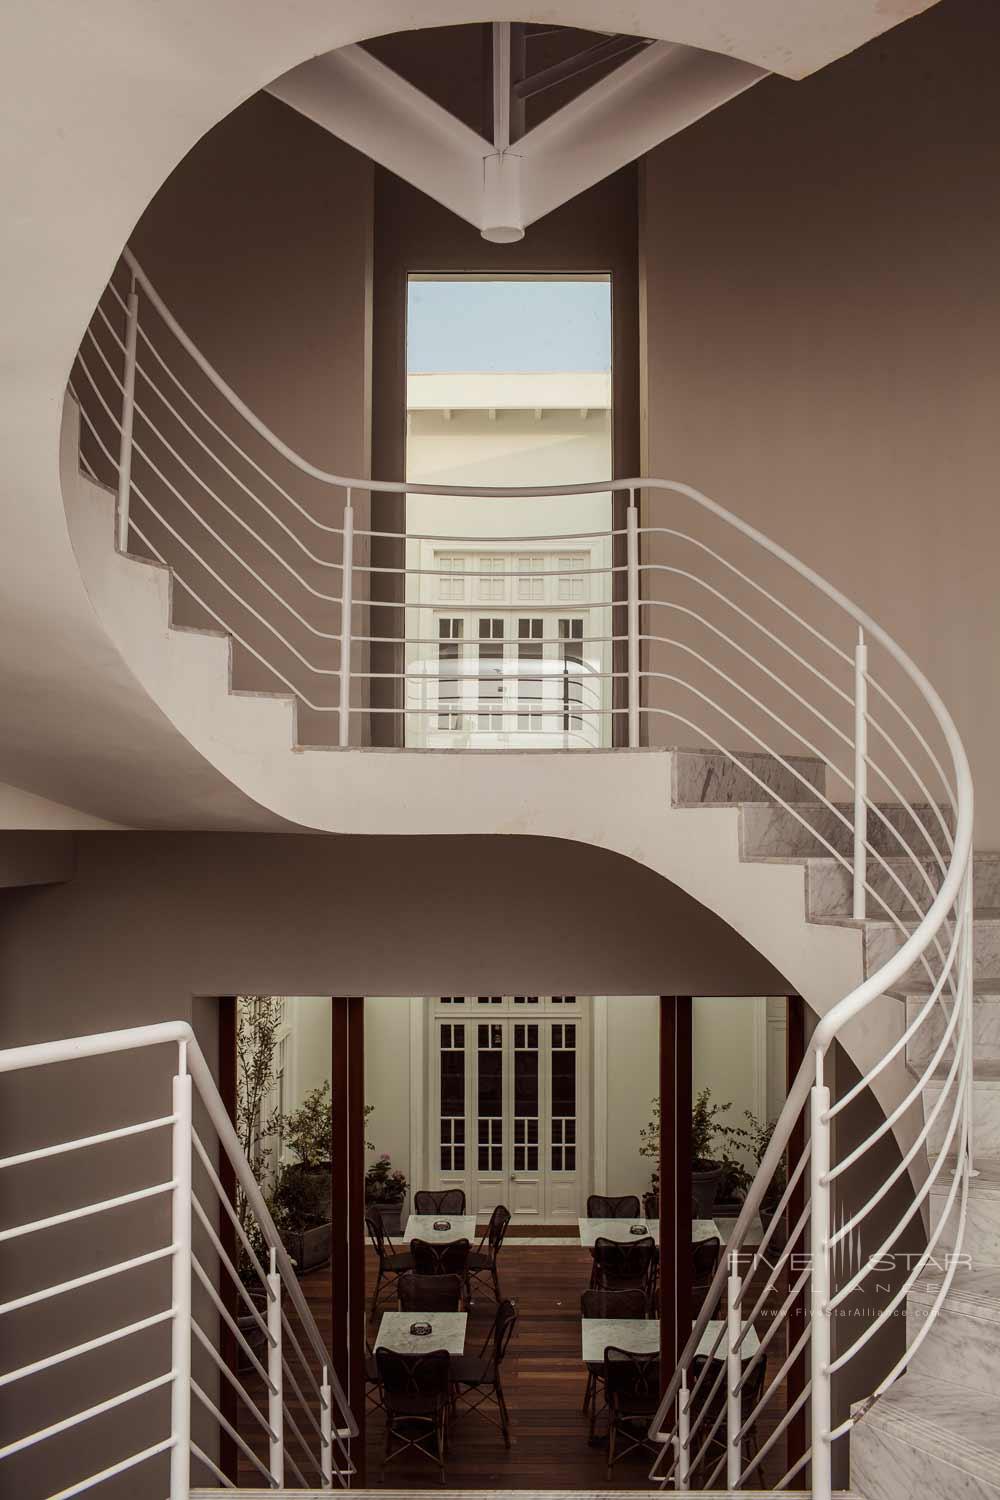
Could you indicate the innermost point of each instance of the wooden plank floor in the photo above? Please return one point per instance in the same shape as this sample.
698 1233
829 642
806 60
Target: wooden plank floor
543 1382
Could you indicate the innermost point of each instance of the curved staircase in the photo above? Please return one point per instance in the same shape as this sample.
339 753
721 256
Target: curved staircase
827 817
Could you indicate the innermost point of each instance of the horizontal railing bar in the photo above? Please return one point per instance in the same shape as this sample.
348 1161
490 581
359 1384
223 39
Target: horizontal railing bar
231 1323
497 576
228 1427
213 1467
228 1375
87 1211
83 1142
907 1102
73 1285
474 641
66 1423
121 1467
234 1218
234 1275
511 541
101 1342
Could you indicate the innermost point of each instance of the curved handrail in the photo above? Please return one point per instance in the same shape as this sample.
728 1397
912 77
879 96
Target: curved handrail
918 947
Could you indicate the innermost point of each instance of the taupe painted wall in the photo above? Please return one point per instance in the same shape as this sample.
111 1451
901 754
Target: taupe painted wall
260 244
823 327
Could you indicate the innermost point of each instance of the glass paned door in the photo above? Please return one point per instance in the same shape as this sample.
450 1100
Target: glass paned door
509 1103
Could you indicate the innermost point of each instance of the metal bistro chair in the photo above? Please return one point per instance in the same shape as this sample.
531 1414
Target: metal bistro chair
392 1263
448 1201
704 1260
475 1378
429 1293
599 1207
632 1390
627 1302
715 1399
448 1259
483 1261
415 1395
618 1265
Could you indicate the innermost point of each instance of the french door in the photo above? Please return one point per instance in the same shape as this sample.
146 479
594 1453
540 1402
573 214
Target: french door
508 1102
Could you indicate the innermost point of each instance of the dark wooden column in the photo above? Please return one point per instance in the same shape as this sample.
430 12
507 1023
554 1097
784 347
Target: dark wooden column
228 1401
356 1225
347 1265
795 1046
675 1179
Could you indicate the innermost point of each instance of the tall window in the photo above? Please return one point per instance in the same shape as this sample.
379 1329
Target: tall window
491 673
530 633
453 1097
564 1109
573 688
450 633
490 1101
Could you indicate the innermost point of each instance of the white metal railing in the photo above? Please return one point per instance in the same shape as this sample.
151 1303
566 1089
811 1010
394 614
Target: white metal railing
247 1292
673 618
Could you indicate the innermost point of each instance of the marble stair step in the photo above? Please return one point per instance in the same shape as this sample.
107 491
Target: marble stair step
985 1113
707 778
985 1028
809 830
964 1343
883 939
926 1436
198 1493
982 1222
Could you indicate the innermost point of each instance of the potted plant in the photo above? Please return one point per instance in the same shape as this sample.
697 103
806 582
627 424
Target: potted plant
713 1166
385 1189
303 1196
259 1019
759 1137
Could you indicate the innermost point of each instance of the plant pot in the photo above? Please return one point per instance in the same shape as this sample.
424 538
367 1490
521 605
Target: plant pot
705 1182
251 1329
392 1215
309 1248
779 1238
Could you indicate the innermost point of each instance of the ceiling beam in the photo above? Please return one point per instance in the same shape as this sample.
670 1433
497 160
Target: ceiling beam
645 101
363 102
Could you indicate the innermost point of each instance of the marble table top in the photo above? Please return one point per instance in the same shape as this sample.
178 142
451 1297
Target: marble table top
619 1229
642 1336
421 1227
447 1332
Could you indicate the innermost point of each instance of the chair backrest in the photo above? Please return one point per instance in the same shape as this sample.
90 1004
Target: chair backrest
429 1293
599 1207
503 1327
448 1259
413 1374
448 1201
704 1259
376 1232
630 1380
613 1302
499 1219
625 1264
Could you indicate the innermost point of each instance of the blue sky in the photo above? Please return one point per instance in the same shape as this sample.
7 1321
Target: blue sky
508 325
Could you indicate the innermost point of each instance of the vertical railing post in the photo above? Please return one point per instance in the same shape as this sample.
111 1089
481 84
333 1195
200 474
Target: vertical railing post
734 1396
180 1328
632 576
326 1427
966 991
346 603
128 414
275 1375
820 1404
683 1433
859 905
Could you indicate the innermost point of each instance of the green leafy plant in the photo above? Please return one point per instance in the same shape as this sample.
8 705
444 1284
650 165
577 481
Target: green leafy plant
308 1130
383 1183
713 1142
